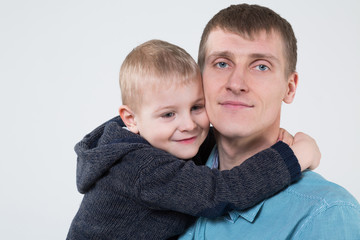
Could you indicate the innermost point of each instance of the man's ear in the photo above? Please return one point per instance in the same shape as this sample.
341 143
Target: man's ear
128 117
291 88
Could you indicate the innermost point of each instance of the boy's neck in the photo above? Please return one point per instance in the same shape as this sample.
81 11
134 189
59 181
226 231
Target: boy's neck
233 152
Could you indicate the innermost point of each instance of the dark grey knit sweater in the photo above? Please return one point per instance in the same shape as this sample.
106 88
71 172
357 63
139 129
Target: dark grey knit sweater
135 191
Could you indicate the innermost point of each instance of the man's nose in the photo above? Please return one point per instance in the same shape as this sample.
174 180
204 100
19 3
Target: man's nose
187 123
237 81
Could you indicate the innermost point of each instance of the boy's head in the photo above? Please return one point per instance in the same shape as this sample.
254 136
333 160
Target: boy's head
247 21
154 64
163 98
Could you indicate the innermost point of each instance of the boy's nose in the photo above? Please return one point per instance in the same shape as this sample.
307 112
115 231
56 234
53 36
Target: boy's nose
187 124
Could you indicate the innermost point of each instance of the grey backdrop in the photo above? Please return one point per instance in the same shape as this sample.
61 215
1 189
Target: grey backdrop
59 63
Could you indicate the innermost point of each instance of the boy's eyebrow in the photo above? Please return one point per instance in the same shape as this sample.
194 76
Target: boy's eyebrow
165 107
199 99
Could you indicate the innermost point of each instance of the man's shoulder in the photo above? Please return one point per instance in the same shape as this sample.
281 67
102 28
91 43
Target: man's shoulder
315 189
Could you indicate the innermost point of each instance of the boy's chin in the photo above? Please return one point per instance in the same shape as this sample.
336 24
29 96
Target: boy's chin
184 155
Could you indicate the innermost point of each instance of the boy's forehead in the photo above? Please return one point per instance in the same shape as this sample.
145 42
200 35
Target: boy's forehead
170 80
170 89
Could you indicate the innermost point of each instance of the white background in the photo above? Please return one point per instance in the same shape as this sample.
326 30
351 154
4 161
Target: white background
59 64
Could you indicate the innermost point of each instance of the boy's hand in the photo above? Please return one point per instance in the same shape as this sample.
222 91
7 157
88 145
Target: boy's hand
306 150
286 137
304 147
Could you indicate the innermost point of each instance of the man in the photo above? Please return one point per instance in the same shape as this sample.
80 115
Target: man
248 59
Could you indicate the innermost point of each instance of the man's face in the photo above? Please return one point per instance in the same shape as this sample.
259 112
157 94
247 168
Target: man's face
244 83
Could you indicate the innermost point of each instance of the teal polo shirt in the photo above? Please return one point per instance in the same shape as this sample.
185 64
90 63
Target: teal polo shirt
312 208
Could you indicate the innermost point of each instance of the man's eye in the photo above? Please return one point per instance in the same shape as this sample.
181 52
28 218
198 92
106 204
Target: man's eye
168 115
222 65
262 67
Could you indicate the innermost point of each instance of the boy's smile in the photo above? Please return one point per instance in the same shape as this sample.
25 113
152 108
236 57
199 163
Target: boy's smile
173 118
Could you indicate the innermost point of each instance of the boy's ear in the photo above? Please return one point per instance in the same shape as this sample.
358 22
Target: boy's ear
128 117
291 88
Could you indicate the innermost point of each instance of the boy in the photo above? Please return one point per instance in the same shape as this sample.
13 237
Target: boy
134 190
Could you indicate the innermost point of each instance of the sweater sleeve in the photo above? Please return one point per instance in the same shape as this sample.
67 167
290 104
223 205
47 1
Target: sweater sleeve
165 182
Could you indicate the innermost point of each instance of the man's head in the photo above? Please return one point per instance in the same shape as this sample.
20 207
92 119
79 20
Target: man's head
163 98
247 57
247 21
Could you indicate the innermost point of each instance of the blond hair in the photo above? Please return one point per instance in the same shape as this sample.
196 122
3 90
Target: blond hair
154 63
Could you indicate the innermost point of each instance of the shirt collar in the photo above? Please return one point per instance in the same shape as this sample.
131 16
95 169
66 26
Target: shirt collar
249 214
213 160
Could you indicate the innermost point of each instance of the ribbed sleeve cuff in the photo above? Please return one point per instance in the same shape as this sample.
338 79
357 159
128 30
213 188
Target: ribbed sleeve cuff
290 160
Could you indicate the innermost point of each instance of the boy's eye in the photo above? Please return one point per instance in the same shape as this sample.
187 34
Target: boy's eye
168 115
261 67
197 107
221 64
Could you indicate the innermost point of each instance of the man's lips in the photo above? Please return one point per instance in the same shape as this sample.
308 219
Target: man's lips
236 104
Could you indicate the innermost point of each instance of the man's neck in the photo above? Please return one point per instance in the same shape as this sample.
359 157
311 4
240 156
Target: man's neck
233 152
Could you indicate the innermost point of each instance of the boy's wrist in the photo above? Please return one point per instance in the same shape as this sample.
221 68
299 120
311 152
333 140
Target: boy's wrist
289 158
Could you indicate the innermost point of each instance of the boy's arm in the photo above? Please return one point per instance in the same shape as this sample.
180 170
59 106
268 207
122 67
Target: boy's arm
304 147
166 182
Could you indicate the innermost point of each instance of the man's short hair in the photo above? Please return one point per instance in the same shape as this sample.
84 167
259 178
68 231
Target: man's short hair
248 20
153 64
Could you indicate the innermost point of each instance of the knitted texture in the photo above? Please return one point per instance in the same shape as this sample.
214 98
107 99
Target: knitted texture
135 191
289 158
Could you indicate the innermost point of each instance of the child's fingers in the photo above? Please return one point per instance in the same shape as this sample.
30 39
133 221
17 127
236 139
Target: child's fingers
281 134
287 137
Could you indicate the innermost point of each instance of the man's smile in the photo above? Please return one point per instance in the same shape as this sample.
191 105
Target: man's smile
236 104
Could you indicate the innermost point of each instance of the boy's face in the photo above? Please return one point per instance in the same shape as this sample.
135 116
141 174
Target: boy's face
174 118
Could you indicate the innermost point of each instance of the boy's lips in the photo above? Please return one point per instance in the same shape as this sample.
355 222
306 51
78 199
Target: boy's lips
187 140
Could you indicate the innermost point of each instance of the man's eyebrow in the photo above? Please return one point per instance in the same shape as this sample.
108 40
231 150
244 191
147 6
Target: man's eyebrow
264 56
220 54
227 54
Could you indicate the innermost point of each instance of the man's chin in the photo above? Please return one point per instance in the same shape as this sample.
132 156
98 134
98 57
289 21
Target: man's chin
230 131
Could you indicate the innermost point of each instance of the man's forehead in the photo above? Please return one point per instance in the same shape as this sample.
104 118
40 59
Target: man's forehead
223 43
247 34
